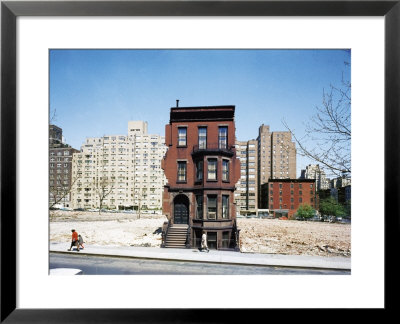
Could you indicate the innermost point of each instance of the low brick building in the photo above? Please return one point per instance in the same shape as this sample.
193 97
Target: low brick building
284 196
201 170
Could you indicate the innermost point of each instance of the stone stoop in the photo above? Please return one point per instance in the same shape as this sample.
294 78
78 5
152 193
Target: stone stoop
176 237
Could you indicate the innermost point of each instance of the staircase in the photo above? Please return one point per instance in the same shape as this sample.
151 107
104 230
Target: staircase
176 237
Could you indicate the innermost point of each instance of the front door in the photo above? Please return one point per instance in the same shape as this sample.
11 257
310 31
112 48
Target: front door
181 213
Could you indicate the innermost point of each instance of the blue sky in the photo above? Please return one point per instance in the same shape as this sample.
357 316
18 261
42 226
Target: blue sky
96 92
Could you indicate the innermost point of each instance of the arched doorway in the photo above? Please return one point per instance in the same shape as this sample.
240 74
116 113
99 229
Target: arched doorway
181 210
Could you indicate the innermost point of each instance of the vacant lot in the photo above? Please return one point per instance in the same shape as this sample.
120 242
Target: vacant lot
256 235
294 237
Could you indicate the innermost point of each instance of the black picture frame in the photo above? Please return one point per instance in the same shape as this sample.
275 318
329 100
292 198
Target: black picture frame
10 10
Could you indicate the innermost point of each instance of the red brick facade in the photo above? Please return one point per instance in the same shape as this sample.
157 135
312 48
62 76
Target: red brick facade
284 196
201 170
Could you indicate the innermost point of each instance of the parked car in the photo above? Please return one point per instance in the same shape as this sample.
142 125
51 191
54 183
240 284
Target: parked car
65 272
66 208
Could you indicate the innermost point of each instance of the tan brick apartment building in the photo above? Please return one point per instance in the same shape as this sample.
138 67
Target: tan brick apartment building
60 169
276 156
284 196
201 170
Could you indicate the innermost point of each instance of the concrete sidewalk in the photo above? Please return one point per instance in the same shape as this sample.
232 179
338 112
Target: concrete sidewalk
226 257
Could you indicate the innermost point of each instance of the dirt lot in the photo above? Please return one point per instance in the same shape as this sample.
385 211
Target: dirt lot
256 235
294 237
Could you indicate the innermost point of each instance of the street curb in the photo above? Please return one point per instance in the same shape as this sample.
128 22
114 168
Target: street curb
206 261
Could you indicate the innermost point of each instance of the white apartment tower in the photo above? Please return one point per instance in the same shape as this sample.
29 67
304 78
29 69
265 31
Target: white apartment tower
246 189
120 171
313 171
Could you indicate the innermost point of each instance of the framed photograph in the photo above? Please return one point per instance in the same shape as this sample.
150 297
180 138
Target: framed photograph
31 30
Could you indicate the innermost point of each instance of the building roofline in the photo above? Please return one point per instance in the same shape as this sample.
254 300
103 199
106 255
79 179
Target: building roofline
291 180
202 113
203 107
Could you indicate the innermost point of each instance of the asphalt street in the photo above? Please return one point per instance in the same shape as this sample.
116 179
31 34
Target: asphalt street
100 265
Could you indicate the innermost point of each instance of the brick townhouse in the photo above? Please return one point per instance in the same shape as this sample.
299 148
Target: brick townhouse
201 170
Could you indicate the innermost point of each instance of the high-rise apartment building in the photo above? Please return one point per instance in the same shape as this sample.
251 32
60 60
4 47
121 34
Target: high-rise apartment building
276 156
55 135
120 171
313 171
246 194
60 168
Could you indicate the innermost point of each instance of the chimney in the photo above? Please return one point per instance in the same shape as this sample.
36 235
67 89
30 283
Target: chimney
177 103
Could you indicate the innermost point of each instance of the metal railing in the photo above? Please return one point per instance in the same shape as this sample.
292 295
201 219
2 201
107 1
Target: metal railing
188 240
213 147
164 233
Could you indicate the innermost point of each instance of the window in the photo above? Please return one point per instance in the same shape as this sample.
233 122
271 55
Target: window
212 169
300 200
181 171
300 192
202 138
225 239
199 207
199 170
212 207
291 206
225 206
212 240
291 185
182 136
225 170
223 137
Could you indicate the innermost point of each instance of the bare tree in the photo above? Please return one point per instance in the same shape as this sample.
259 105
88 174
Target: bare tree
103 187
103 184
53 115
327 136
59 190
